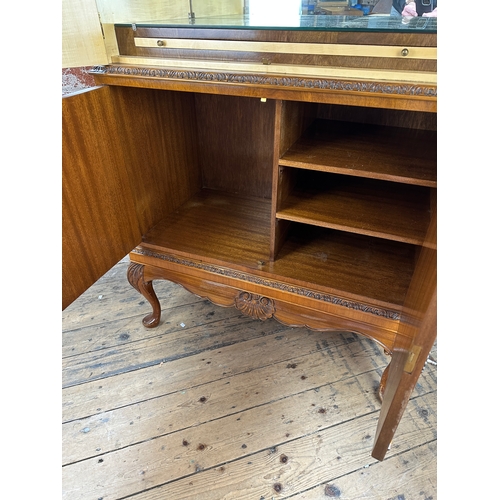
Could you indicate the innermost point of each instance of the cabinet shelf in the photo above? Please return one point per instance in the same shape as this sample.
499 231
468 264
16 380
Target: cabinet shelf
217 227
364 150
233 231
396 212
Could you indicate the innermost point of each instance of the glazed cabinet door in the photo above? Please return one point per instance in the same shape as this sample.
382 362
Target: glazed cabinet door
99 222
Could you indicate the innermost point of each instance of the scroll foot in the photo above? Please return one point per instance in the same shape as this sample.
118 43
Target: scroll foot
135 275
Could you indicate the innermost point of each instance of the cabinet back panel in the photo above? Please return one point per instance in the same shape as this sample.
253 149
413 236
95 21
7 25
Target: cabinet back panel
296 118
236 143
379 116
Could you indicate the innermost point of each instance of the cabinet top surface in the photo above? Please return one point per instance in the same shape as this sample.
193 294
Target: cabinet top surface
388 24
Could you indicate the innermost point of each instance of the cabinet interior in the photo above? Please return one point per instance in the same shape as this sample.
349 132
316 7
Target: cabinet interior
328 196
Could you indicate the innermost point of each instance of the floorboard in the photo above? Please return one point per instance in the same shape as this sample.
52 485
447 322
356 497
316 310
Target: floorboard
215 405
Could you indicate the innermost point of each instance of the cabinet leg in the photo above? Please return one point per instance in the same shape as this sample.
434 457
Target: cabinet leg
135 276
383 382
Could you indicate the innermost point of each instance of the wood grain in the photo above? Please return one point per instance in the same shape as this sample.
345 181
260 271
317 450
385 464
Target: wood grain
290 409
362 206
159 140
234 231
236 144
184 409
417 335
93 184
82 40
292 120
123 166
378 152
293 36
292 48
192 363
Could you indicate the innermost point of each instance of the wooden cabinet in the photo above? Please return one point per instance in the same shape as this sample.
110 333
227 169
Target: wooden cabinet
284 191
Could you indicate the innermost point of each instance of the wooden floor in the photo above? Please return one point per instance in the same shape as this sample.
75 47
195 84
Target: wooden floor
214 405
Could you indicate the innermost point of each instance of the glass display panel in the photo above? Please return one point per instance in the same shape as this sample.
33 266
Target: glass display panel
306 23
333 15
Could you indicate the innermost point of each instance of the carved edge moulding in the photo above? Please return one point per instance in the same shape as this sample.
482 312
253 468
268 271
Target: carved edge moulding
373 87
259 297
270 283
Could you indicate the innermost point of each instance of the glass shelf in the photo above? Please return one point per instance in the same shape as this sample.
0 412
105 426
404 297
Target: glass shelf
370 23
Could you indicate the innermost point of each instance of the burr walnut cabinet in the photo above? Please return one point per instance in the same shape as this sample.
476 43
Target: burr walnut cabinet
290 173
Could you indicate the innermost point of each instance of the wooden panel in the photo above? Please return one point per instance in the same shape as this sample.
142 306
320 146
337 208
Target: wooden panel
160 146
346 93
353 264
236 144
289 52
147 141
296 117
416 336
217 227
233 231
385 153
292 36
379 116
292 48
276 58
82 40
375 208
292 121
125 40
206 8
99 223
117 11
290 303
379 82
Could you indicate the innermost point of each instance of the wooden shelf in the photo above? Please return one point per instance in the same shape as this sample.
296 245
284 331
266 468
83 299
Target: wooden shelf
353 265
363 206
233 231
217 227
377 152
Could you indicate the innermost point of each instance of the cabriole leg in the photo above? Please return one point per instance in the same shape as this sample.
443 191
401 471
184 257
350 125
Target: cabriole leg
135 275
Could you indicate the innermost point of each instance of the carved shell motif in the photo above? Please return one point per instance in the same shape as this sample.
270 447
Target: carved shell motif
255 306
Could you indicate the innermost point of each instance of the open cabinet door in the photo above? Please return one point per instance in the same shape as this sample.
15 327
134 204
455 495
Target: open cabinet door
99 222
416 337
